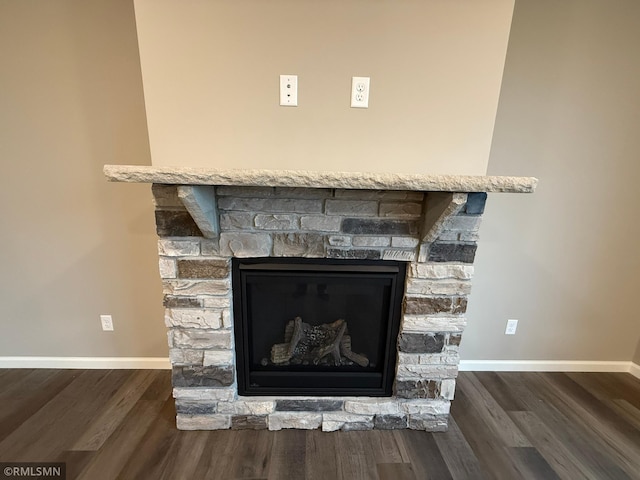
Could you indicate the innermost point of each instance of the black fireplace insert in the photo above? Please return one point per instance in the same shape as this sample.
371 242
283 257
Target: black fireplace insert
316 326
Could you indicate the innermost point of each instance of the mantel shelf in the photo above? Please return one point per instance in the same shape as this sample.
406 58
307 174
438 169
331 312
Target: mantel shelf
315 179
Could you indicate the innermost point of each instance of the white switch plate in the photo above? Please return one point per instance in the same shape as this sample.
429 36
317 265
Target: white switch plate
289 90
107 323
512 326
360 92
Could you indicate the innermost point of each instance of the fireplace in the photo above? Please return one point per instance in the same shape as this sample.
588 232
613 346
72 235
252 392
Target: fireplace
314 228
316 326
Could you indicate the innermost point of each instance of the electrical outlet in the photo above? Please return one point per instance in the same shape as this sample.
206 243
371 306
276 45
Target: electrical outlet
360 92
107 323
288 90
512 326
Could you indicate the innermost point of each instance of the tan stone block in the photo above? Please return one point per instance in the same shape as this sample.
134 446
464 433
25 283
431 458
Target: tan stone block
178 248
194 338
298 420
441 271
167 267
217 357
438 287
371 406
203 422
427 323
196 287
226 394
245 244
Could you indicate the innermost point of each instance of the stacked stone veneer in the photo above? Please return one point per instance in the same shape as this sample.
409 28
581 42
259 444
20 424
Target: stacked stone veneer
321 223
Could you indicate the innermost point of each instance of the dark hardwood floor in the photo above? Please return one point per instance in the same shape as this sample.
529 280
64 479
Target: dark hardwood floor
119 424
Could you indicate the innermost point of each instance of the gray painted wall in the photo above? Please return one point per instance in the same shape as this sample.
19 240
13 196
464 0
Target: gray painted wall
72 245
564 261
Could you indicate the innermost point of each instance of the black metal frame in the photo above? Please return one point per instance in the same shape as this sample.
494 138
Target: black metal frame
303 380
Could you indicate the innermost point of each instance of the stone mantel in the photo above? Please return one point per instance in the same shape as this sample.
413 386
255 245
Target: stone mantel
314 179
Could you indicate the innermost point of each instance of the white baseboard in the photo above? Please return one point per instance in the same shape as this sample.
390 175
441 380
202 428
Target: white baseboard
162 363
547 366
151 363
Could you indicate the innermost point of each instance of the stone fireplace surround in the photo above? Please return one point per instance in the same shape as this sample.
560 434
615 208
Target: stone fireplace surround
206 217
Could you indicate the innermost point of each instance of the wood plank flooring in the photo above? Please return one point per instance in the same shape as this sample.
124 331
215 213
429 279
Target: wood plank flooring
119 424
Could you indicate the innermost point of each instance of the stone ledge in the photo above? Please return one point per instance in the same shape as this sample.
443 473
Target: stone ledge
311 179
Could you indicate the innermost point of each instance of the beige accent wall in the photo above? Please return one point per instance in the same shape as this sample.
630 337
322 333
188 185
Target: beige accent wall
211 70
564 261
636 357
72 245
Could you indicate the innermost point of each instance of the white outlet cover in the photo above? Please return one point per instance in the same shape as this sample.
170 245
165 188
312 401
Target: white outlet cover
107 323
288 90
360 87
512 326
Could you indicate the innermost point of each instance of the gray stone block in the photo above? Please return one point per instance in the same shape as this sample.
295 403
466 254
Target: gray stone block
271 205
400 209
275 221
452 252
203 268
339 240
165 195
390 422
353 254
399 255
248 192
429 423
361 208
380 195
195 408
404 242
421 342
475 203
195 338
302 192
417 388
176 223
236 221
320 223
308 405
464 223
196 376
298 245
249 422
363 226
210 247
371 241
185 356
430 305
171 301
357 426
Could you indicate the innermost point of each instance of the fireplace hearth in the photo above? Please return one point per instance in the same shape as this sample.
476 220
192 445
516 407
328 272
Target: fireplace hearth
311 326
316 326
